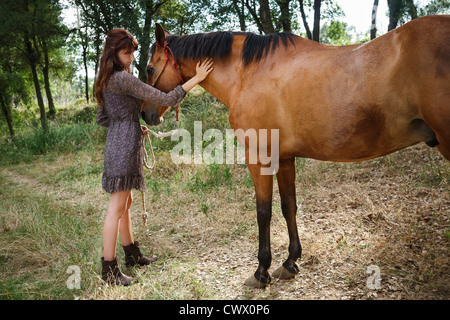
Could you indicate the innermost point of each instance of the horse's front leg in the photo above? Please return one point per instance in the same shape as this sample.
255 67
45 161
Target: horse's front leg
263 189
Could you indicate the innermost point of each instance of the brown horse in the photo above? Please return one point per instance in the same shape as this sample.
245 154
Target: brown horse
347 103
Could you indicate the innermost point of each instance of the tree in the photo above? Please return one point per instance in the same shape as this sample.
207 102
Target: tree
14 87
150 7
316 28
180 17
398 9
285 14
321 9
435 7
401 11
305 23
19 17
335 33
30 28
265 17
134 15
239 9
51 36
84 42
206 15
373 28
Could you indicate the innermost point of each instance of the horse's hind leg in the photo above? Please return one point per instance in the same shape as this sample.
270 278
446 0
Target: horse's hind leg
435 93
444 148
437 118
442 130
286 185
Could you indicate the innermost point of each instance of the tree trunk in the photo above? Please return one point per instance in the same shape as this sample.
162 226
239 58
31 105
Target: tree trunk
395 7
145 41
305 23
373 28
266 19
45 71
86 77
37 88
285 17
316 29
7 114
31 55
255 16
412 9
240 12
98 52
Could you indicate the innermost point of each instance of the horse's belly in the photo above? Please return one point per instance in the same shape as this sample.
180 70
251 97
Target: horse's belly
372 136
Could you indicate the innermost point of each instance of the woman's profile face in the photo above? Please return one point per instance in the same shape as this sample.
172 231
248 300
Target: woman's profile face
126 57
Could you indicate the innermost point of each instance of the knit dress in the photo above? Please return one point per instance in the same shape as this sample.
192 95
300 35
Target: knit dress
123 163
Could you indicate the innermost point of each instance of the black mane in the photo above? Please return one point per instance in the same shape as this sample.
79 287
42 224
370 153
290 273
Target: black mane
257 47
218 45
201 45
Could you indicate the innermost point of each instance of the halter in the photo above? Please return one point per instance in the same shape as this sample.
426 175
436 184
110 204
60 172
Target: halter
175 66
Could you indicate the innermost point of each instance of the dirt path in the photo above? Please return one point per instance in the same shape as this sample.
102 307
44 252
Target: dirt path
390 216
384 220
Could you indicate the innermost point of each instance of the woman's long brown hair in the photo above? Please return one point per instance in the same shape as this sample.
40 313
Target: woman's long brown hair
116 41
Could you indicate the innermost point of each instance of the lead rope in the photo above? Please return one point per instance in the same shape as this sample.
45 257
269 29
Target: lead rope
160 135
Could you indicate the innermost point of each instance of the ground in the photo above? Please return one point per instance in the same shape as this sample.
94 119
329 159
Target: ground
391 214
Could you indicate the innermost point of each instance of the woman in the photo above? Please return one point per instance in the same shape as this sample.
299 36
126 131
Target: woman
118 94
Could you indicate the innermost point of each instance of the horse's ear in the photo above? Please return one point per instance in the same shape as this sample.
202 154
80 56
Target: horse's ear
160 35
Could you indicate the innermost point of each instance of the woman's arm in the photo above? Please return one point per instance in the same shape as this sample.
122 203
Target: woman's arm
102 117
132 86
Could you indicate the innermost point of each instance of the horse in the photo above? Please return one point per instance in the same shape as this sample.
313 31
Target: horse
331 103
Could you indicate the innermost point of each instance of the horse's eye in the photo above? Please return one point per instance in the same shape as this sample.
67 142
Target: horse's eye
150 70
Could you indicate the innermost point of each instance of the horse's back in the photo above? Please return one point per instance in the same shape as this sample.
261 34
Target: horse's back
381 96
355 102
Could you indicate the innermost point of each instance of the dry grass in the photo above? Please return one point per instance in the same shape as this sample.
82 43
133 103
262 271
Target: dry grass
393 212
385 212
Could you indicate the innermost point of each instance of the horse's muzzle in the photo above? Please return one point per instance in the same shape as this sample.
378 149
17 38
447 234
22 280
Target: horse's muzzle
151 118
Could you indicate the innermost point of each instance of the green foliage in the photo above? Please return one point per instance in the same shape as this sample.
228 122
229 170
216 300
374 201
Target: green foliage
215 175
59 138
435 7
198 106
34 33
70 131
32 38
52 212
42 234
180 16
336 33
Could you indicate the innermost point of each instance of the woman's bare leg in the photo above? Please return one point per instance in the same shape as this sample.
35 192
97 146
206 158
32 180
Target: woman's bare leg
116 210
126 234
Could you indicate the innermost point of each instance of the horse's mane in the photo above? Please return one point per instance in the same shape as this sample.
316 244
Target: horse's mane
257 47
218 45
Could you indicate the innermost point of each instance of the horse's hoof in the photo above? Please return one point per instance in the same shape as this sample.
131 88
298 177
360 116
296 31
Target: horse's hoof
283 273
255 283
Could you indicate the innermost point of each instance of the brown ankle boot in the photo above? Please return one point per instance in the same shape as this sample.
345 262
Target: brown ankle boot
134 256
111 274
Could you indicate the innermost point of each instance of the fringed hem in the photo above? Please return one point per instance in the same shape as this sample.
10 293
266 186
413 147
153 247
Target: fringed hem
115 184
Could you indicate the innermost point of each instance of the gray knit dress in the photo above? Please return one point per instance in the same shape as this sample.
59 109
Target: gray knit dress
123 164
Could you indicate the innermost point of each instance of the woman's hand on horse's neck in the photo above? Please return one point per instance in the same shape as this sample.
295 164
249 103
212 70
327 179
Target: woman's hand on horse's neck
202 71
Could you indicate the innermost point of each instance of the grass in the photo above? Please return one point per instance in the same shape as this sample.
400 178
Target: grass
38 241
392 212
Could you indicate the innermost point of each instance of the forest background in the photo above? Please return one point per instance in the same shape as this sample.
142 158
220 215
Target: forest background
392 212
49 50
